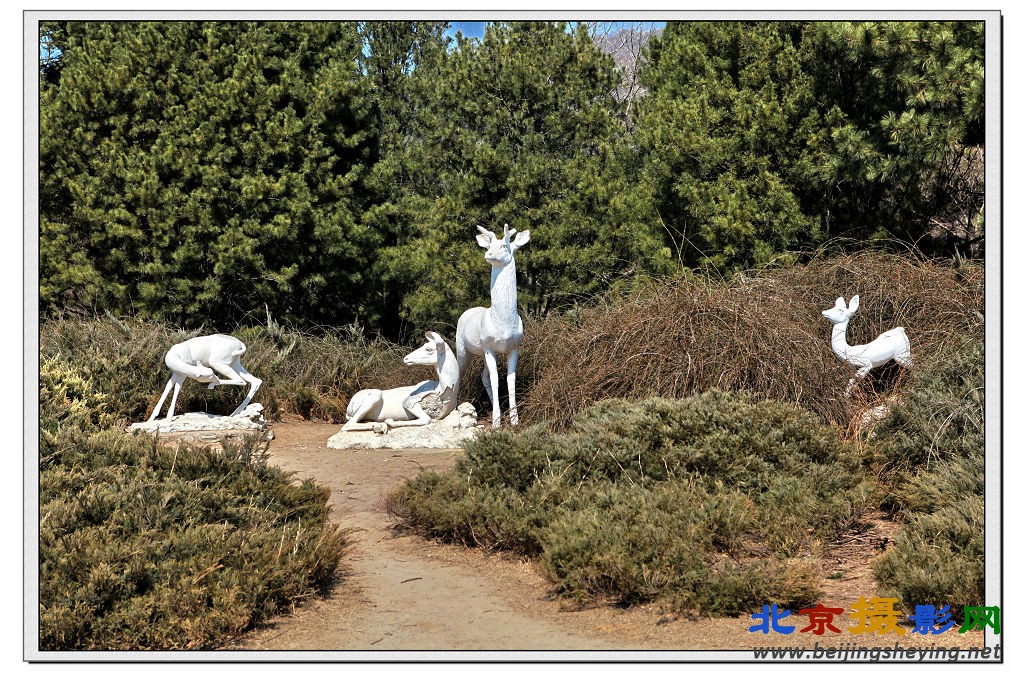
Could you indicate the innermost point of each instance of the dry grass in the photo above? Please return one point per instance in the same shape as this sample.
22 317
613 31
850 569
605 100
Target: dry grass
310 374
761 333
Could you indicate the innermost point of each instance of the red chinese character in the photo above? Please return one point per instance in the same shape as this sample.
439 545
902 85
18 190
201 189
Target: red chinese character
820 618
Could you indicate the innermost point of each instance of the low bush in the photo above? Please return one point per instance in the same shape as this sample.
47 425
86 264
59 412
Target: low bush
939 418
163 547
707 502
145 547
934 480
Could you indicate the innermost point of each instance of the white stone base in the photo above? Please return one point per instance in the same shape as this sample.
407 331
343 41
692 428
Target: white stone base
208 429
450 432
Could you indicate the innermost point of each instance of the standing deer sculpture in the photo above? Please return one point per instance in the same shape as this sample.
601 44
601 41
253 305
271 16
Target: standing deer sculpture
202 358
890 345
498 330
409 405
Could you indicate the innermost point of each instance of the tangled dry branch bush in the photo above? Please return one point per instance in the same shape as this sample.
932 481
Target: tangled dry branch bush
760 332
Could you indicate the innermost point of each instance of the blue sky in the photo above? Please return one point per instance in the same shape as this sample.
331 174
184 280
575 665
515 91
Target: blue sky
470 29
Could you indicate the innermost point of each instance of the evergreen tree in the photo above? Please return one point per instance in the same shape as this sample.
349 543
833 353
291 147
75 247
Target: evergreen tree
519 127
719 132
205 170
393 50
761 138
899 148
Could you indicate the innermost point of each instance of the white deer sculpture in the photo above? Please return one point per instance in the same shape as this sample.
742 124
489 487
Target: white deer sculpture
890 345
201 358
410 405
496 330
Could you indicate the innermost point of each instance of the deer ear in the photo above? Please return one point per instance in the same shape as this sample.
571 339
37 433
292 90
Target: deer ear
521 238
434 337
841 303
854 303
485 237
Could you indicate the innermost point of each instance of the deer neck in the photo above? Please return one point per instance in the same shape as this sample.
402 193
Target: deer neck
503 295
839 345
447 370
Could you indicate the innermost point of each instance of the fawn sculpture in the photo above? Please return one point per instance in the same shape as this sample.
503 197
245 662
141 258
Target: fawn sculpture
202 358
890 345
410 405
489 332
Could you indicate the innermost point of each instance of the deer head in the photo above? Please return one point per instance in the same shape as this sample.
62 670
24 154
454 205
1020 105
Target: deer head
501 249
840 312
428 353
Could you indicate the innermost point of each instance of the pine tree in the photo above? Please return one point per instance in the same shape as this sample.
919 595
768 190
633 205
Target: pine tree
520 127
204 171
900 151
718 130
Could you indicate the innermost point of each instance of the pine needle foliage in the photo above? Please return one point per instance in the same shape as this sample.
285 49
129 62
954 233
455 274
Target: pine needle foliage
706 502
204 170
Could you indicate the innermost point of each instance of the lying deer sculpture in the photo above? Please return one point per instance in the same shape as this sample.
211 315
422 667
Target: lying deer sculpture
410 405
890 345
202 358
497 330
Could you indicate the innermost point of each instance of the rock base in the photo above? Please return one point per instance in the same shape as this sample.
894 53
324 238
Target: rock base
201 427
869 418
450 432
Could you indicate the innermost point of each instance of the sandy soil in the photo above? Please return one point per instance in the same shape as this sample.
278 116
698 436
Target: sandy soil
401 592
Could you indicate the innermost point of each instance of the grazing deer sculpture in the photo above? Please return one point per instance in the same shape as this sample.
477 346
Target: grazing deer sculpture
202 358
890 345
410 405
488 332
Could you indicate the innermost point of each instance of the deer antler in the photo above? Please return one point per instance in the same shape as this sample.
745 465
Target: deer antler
484 230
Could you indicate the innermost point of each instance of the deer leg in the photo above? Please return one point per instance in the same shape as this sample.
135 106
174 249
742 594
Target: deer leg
861 373
485 376
163 397
422 418
227 370
491 363
177 379
513 413
254 384
365 402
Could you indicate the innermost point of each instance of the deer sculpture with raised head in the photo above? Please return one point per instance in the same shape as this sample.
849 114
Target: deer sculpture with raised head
498 330
890 345
202 358
409 405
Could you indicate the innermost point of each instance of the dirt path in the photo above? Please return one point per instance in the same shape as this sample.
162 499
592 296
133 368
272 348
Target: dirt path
407 593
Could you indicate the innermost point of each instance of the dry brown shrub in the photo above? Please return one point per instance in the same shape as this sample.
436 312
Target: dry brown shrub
761 332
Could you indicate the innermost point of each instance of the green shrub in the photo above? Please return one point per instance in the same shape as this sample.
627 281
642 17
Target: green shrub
68 399
940 417
704 501
939 557
145 547
934 441
635 544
